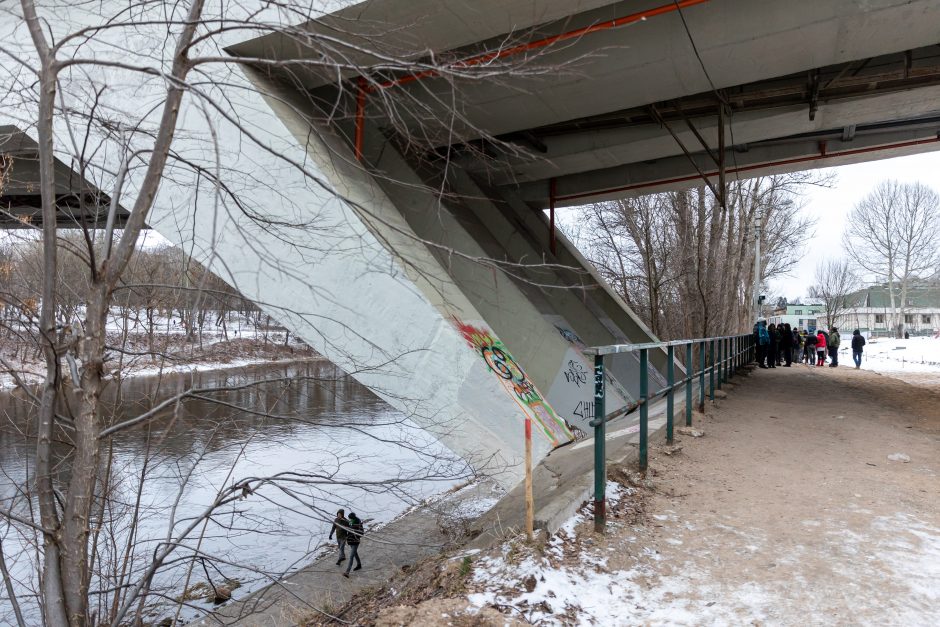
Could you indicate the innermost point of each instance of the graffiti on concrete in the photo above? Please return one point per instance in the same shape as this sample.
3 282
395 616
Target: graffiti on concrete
515 382
584 410
576 373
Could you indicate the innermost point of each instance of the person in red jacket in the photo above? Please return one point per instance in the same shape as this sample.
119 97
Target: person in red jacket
820 348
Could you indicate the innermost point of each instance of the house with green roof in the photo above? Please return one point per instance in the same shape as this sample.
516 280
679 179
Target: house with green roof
869 309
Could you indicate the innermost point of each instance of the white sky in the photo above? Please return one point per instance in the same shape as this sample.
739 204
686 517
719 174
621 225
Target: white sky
831 207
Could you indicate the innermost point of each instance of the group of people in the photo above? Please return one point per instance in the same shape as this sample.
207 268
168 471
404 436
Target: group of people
781 345
349 531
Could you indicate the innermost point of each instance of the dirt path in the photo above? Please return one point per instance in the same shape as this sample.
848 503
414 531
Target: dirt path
789 512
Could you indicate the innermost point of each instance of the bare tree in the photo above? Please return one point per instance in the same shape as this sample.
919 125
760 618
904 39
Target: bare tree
685 263
71 87
894 234
834 281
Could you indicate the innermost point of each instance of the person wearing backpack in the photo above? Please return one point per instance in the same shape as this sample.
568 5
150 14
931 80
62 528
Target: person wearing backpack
858 341
353 538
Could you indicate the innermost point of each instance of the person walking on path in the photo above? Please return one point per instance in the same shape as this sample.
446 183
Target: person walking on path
834 340
340 525
353 537
858 341
820 349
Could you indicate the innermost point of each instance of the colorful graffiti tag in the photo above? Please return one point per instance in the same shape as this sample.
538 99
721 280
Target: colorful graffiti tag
515 382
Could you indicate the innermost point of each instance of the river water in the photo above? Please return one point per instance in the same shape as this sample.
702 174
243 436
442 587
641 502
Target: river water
327 441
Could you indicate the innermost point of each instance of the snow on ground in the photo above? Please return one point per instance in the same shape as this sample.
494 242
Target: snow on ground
571 583
244 341
918 354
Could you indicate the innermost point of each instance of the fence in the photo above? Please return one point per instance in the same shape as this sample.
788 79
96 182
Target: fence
733 352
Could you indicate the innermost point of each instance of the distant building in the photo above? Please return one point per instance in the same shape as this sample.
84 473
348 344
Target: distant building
797 315
870 310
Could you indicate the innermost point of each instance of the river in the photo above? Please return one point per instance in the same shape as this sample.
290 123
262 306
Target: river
331 442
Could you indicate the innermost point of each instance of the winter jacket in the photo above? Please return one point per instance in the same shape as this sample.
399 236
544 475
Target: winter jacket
820 340
858 341
355 531
340 525
774 336
810 341
763 338
834 340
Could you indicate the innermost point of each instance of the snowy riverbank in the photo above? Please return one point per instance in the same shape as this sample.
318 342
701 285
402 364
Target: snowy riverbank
173 358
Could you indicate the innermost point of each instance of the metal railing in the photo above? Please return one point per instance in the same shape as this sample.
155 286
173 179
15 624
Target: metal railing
733 352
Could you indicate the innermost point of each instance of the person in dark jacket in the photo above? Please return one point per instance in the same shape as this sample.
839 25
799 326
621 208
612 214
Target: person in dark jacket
809 349
774 346
858 341
834 340
786 344
353 537
340 524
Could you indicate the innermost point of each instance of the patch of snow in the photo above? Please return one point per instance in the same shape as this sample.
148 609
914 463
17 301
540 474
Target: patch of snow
587 593
918 354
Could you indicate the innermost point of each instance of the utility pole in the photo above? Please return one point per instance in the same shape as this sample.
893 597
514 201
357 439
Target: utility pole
757 227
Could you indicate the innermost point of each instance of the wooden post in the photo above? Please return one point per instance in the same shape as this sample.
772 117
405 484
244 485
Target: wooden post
529 500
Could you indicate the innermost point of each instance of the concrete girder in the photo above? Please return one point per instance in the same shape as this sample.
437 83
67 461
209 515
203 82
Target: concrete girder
640 146
407 29
740 41
546 326
772 157
573 152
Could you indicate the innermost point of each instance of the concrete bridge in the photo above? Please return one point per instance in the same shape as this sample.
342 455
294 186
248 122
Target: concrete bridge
435 276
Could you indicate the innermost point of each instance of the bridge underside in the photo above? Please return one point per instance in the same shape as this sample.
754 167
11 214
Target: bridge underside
439 284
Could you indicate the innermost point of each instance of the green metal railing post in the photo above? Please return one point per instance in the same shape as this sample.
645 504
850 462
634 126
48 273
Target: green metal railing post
670 395
690 372
729 356
721 364
600 454
701 378
711 370
732 364
644 406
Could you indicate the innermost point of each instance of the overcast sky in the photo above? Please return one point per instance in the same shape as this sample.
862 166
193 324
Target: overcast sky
831 208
